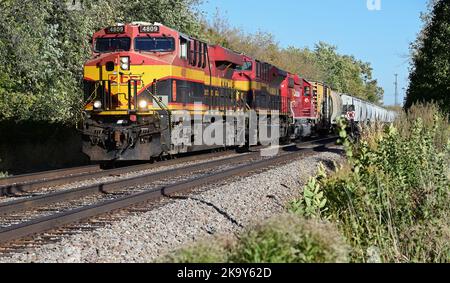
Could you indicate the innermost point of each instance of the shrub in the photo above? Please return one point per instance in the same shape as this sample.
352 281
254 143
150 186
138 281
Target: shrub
291 239
393 194
313 203
287 238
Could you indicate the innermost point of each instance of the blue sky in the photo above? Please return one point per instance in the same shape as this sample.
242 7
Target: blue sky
381 37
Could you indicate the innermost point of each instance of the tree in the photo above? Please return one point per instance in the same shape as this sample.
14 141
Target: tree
44 43
430 70
344 73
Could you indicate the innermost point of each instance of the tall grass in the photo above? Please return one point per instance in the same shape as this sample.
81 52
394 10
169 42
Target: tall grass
392 197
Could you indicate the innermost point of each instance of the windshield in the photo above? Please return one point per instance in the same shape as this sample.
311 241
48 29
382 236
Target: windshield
246 67
154 44
112 44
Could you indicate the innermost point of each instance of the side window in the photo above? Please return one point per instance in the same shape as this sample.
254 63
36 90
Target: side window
183 48
205 54
265 72
200 54
291 83
194 53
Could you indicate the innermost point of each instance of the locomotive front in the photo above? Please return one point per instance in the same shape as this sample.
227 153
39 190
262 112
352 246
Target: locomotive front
126 94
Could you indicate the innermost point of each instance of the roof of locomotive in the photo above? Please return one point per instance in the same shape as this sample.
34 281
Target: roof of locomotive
219 53
224 54
136 28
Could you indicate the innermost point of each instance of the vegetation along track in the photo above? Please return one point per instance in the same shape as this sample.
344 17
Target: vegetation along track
129 192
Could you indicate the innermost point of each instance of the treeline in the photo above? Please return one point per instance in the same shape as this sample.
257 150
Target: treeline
43 44
430 70
344 73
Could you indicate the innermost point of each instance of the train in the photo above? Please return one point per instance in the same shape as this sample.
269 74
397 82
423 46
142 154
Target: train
151 91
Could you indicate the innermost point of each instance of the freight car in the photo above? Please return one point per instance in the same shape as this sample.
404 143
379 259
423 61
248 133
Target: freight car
152 91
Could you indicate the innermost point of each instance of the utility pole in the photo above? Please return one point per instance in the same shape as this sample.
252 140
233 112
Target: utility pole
396 89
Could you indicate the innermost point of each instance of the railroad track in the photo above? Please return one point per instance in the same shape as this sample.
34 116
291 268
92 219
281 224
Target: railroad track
18 184
116 195
22 185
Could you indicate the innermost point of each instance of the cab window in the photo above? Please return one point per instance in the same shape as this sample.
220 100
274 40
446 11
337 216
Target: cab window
247 66
154 44
103 45
307 91
183 48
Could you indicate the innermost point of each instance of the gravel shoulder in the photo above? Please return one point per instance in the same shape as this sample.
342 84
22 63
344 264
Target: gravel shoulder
225 208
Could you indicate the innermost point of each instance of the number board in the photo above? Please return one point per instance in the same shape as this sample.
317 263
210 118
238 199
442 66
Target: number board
115 29
149 29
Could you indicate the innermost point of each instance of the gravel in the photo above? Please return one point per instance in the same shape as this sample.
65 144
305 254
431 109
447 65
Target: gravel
224 208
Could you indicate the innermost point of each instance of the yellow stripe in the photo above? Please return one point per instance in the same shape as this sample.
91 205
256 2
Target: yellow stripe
150 72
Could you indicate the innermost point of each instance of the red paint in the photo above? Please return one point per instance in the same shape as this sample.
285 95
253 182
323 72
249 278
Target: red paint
174 90
221 64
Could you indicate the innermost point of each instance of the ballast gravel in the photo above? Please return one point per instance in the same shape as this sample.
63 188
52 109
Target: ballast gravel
225 208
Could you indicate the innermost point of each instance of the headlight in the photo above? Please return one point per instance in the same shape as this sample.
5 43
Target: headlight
97 104
125 63
143 104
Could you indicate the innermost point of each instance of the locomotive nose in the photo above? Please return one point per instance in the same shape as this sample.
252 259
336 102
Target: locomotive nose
117 62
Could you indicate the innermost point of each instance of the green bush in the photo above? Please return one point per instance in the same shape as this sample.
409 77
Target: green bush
282 239
393 195
291 239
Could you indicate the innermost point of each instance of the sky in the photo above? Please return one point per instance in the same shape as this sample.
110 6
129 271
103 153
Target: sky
379 34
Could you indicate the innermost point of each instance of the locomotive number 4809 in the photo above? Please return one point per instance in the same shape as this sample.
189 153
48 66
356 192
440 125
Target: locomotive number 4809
149 29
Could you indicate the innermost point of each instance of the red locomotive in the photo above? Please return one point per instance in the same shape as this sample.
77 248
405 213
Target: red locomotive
143 76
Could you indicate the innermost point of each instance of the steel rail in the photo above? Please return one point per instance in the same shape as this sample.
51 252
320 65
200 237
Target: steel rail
48 175
53 179
111 186
46 223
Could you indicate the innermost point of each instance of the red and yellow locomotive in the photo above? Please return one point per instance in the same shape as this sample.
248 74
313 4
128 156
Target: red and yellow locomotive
141 75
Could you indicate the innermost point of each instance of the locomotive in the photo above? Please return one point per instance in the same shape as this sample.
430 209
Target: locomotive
142 77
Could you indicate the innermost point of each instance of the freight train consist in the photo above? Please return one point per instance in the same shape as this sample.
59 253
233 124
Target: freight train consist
152 91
